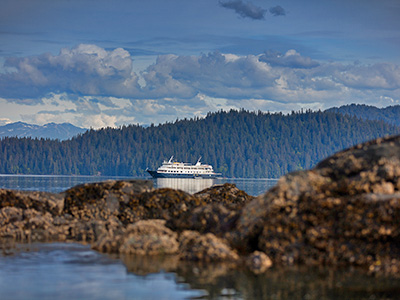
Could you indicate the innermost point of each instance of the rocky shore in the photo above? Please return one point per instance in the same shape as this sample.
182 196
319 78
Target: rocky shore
344 212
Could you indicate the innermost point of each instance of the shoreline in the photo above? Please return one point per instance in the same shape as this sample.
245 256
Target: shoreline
344 212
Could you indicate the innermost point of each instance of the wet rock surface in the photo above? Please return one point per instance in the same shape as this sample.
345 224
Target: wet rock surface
125 218
227 194
344 212
104 199
205 247
149 237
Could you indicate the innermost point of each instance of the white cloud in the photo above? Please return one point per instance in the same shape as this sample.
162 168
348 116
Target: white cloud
388 100
273 106
89 70
215 75
377 76
42 118
5 121
97 121
88 84
83 70
291 59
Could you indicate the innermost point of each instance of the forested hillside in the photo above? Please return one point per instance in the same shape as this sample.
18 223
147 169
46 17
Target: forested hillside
236 143
390 114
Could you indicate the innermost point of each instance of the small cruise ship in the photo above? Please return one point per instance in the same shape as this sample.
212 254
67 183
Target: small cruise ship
173 169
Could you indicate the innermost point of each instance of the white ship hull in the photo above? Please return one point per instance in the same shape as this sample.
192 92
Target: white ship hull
170 169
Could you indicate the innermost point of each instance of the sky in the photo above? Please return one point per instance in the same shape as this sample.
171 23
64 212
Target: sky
100 63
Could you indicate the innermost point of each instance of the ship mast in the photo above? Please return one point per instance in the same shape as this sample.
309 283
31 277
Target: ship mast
198 162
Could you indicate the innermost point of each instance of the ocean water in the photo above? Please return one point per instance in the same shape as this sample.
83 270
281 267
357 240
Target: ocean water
56 184
74 271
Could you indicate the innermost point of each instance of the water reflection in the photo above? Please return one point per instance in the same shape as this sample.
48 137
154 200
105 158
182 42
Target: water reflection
48 183
252 186
59 183
71 271
189 185
220 280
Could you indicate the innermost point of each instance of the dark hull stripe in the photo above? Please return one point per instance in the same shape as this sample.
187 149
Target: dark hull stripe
155 174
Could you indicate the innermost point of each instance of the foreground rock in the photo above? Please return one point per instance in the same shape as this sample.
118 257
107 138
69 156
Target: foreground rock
104 199
149 237
345 211
207 247
124 217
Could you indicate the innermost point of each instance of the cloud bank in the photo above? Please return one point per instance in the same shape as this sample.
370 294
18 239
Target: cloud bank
86 69
100 86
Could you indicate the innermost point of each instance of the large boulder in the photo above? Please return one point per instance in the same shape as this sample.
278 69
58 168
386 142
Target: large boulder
28 225
194 246
40 201
149 237
214 218
216 210
227 194
344 211
28 216
163 203
104 199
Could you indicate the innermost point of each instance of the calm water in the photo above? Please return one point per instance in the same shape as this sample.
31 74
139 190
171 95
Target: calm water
56 184
73 271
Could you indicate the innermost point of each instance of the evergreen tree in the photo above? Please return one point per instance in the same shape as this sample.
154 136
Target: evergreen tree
236 143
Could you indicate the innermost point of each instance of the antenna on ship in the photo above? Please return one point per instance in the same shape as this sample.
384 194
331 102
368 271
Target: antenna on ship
198 161
170 160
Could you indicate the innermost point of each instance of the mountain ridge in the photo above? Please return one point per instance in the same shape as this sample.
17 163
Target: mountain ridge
54 131
389 114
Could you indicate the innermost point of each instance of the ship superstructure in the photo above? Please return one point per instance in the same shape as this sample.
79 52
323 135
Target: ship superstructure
173 169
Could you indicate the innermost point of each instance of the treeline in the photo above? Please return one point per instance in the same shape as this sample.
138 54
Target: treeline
237 143
390 114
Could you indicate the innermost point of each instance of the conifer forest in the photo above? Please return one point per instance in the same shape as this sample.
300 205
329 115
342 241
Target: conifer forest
238 144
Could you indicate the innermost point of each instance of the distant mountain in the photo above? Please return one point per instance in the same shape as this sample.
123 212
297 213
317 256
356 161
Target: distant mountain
390 114
53 131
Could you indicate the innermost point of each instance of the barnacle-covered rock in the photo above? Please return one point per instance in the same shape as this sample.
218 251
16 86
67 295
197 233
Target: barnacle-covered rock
149 237
102 200
227 194
344 211
214 218
40 201
163 203
207 247
28 225
258 262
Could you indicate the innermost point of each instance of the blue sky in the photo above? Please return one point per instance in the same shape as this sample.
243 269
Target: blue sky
97 63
